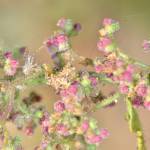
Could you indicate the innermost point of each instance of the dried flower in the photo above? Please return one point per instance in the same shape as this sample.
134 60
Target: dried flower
29 66
63 79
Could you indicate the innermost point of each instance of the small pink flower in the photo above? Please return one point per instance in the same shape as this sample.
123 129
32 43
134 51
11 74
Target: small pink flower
107 21
48 42
62 130
55 41
44 144
103 43
63 93
147 104
11 66
137 101
141 90
73 89
29 131
130 68
8 54
146 45
61 39
45 123
124 89
94 139
59 106
115 78
98 68
126 76
85 126
61 22
93 81
119 63
104 133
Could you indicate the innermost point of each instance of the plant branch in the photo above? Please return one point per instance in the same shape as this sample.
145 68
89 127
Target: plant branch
135 125
107 101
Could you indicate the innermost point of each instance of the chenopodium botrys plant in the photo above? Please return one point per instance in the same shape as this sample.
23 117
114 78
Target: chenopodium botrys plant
78 81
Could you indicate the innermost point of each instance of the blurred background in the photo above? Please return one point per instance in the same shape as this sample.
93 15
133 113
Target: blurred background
30 22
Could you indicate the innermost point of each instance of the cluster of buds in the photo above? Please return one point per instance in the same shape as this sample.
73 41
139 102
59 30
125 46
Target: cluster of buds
69 125
69 121
120 70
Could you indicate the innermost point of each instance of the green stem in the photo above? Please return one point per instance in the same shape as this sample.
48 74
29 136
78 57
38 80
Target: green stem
133 61
107 101
102 77
135 125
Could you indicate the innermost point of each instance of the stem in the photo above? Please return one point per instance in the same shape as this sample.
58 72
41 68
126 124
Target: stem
107 101
133 61
102 77
8 109
5 115
135 125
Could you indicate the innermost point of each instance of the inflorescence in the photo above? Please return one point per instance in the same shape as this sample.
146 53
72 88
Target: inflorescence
80 93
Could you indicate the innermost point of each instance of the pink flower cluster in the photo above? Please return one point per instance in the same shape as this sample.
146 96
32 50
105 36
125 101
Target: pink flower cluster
62 129
110 26
115 69
59 41
67 25
59 106
119 70
11 64
69 119
93 139
105 44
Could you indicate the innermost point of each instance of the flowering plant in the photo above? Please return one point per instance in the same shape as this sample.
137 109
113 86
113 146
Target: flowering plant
69 127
